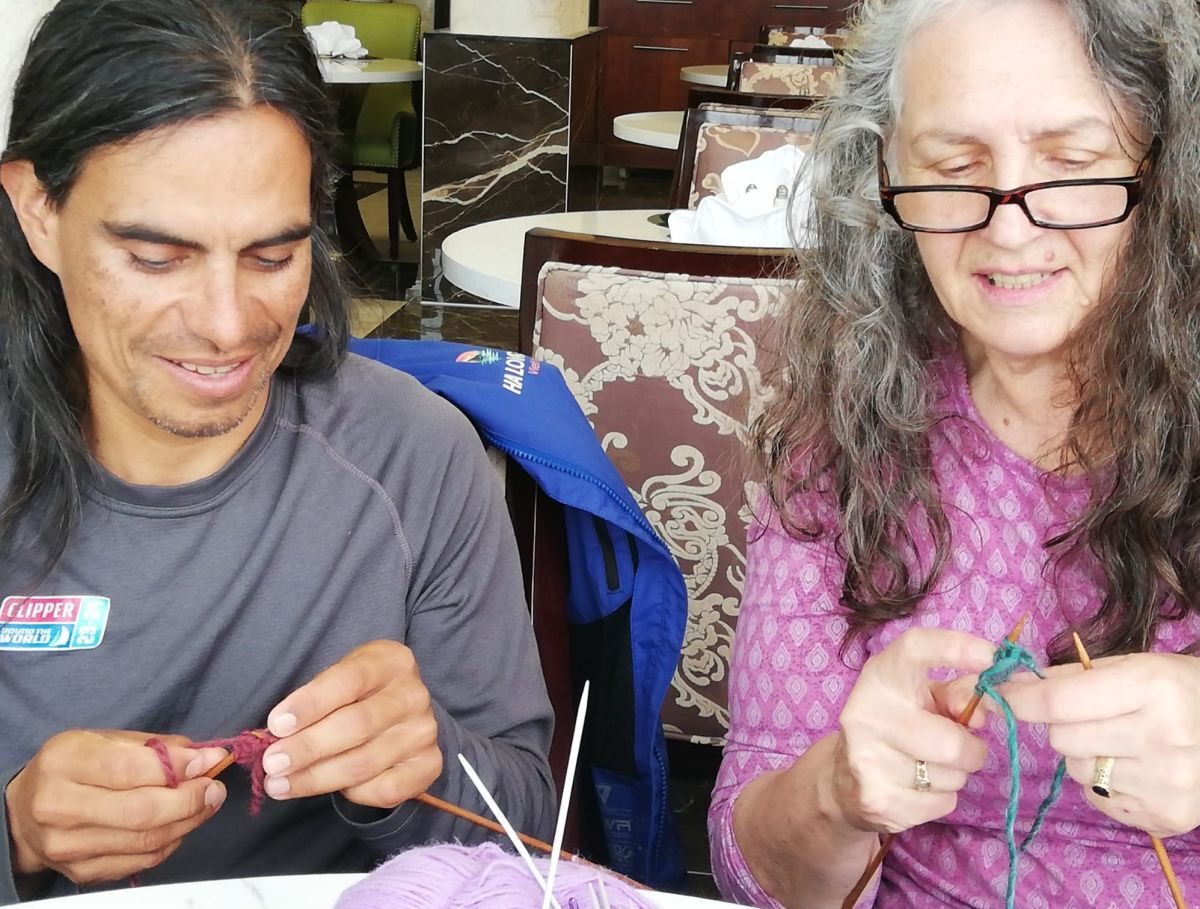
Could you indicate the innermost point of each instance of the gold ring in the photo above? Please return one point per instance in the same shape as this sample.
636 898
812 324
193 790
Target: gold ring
1102 777
922 783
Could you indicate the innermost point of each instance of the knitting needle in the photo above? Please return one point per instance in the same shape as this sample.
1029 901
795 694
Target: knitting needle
509 830
560 826
886 844
463 814
431 800
470 816
1159 849
219 767
450 808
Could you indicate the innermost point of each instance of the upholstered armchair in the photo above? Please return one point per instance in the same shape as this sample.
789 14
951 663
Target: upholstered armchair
661 346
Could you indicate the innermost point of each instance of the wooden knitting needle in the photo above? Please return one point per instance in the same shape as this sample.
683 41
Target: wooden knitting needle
219 767
886 844
463 814
450 808
1159 849
434 802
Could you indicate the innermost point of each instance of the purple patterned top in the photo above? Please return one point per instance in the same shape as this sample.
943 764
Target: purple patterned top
788 687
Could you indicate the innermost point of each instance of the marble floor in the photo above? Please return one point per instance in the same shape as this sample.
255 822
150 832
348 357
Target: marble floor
693 767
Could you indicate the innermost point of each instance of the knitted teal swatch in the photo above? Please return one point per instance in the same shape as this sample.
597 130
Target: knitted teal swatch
1009 659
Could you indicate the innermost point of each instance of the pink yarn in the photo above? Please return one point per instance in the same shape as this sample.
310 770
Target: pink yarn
247 749
450 876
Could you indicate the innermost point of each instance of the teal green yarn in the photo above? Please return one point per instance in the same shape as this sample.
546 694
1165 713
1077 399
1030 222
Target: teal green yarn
1008 660
1050 799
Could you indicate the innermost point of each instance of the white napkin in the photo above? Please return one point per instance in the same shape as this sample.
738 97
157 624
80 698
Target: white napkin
752 207
811 41
332 39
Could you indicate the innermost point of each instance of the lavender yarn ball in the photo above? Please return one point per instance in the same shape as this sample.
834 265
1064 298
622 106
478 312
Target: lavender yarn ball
449 876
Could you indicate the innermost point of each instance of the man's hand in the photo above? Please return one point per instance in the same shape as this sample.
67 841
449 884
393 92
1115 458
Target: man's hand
95 806
364 727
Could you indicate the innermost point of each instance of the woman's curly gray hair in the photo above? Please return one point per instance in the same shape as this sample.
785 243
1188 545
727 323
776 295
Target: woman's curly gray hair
852 407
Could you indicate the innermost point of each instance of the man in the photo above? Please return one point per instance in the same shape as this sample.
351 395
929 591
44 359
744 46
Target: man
210 523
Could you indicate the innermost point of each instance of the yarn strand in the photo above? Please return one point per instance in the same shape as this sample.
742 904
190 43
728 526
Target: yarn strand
1008 660
247 749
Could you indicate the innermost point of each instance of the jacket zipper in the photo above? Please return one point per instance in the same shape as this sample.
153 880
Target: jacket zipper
546 461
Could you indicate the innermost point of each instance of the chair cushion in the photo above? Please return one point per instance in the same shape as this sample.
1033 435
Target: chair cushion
665 368
719 145
387 144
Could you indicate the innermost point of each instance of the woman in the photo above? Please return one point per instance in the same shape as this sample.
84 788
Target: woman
990 407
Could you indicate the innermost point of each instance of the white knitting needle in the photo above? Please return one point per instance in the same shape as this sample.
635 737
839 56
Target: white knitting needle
561 827
602 902
503 821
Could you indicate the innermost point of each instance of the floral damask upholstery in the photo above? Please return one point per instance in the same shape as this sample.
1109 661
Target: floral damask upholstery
782 37
719 145
665 367
788 78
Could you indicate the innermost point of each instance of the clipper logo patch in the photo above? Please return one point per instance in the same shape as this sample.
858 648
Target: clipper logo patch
52 623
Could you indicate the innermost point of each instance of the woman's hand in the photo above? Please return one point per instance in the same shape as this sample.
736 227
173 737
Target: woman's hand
896 716
95 806
1143 710
364 727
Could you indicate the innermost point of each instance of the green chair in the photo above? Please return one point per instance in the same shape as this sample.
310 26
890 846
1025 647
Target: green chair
386 129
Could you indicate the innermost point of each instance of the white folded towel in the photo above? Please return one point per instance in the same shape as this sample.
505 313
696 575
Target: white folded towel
752 207
811 41
333 39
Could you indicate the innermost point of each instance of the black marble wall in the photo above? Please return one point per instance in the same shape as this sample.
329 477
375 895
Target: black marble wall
500 116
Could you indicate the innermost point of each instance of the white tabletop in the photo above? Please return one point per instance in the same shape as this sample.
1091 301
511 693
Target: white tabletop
317 891
660 128
706 74
486 259
384 69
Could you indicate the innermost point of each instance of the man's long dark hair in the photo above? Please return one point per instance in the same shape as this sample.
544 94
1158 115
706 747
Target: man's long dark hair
99 73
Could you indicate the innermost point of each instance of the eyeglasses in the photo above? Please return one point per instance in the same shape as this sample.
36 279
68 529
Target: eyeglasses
1056 204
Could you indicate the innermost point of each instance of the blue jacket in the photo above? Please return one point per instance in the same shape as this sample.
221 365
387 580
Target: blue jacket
627 599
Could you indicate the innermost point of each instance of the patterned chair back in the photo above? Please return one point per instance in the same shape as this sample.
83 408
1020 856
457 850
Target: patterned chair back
784 35
664 360
787 78
718 135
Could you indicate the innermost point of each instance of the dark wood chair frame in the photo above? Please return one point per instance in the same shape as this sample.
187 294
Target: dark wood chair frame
712 95
781 117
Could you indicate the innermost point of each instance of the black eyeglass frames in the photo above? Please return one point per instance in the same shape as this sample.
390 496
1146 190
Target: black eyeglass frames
1055 204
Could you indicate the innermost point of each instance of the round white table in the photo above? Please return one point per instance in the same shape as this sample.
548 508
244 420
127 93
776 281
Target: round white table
659 128
358 72
716 74
317 891
486 259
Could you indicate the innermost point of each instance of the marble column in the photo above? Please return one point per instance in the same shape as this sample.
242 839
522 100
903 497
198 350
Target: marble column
510 128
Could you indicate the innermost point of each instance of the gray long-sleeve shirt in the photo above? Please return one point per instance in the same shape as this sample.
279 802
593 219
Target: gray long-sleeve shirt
362 507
